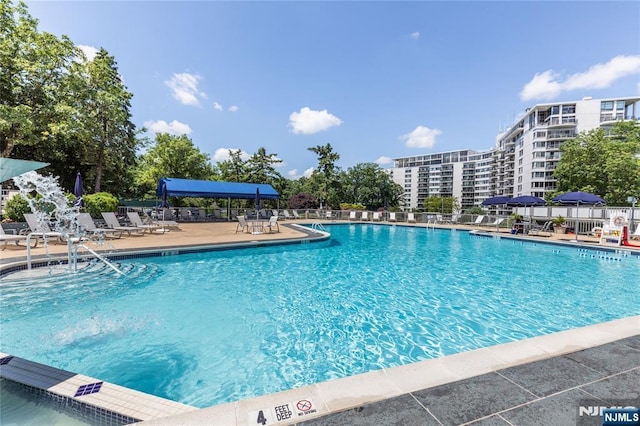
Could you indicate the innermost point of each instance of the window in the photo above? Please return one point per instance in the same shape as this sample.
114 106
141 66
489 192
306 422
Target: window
568 109
620 105
606 106
555 109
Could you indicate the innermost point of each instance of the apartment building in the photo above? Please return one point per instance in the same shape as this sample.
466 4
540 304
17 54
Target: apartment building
521 163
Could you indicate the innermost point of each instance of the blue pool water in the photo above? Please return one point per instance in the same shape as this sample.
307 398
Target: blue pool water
214 327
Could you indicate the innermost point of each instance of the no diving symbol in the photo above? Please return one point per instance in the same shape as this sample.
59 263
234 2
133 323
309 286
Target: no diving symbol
304 405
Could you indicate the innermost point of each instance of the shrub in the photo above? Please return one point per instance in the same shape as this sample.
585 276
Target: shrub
16 207
94 204
349 206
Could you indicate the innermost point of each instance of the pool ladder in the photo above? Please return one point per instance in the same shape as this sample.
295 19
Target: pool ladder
317 227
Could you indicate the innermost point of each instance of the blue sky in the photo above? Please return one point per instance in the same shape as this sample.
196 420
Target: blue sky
377 80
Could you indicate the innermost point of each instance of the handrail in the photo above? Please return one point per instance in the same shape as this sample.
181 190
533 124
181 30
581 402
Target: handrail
99 257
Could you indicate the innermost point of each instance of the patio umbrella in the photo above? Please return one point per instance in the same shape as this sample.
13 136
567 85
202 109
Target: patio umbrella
257 201
577 198
526 201
77 191
163 203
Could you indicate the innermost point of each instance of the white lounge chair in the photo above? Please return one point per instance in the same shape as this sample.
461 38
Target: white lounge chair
546 228
41 229
286 214
377 217
411 218
112 222
478 220
495 223
392 217
5 238
134 218
636 234
88 225
295 214
365 216
353 216
329 215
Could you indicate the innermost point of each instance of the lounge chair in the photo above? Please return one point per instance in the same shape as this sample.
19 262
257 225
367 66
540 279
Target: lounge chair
365 216
273 223
636 234
329 215
392 217
478 220
295 214
353 216
546 228
112 222
41 229
88 225
134 218
242 224
5 238
411 218
377 217
495 223
274 212
286 214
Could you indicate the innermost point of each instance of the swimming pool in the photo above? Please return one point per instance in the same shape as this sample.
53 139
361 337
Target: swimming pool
212 327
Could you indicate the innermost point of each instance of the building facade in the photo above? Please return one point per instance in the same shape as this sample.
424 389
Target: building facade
522 161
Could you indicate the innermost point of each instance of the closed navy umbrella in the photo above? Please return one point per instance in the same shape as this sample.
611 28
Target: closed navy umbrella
576 198
164 204
77 191
257 201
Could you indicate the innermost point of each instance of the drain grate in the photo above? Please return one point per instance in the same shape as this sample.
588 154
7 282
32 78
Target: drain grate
89 389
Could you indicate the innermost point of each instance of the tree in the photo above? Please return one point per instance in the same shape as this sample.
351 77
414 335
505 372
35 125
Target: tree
326 173
171 156
107 130
369 185
35 106
235 169
444 205
606 165
261 169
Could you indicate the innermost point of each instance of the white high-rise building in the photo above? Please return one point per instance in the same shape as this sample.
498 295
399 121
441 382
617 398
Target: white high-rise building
522 161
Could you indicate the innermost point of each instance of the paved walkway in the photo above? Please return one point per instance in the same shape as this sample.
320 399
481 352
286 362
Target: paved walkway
548 392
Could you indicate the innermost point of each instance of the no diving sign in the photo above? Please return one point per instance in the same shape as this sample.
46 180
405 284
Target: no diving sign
281 413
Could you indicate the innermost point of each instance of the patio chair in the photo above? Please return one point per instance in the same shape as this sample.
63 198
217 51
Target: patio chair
377 217
329 215
274 212
495 223
286 214
636 234
5 238
242 224
134 218
392 217
295 214
273 223
88 225
411 218
112 222
352 216
365 216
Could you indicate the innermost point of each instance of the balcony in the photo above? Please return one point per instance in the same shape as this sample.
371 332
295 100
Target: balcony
561 121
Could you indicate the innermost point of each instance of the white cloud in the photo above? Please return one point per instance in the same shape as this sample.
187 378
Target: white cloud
217 106
233 108
548 85
415 35
308 121
222 154
184 87
174 128
384 160
89 51
308 172
292 173
421 137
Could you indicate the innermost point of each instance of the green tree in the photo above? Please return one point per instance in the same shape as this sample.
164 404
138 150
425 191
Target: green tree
107 129
235 169
369 185
326 174
35 105
261 169
444 205
604 164
171 156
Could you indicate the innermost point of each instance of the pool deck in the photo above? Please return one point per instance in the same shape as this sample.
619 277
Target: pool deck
542 380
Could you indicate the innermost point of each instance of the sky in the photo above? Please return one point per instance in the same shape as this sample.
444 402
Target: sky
377 80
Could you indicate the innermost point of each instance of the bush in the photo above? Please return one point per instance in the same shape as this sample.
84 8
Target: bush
349 206
16 207
94 204
302 201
